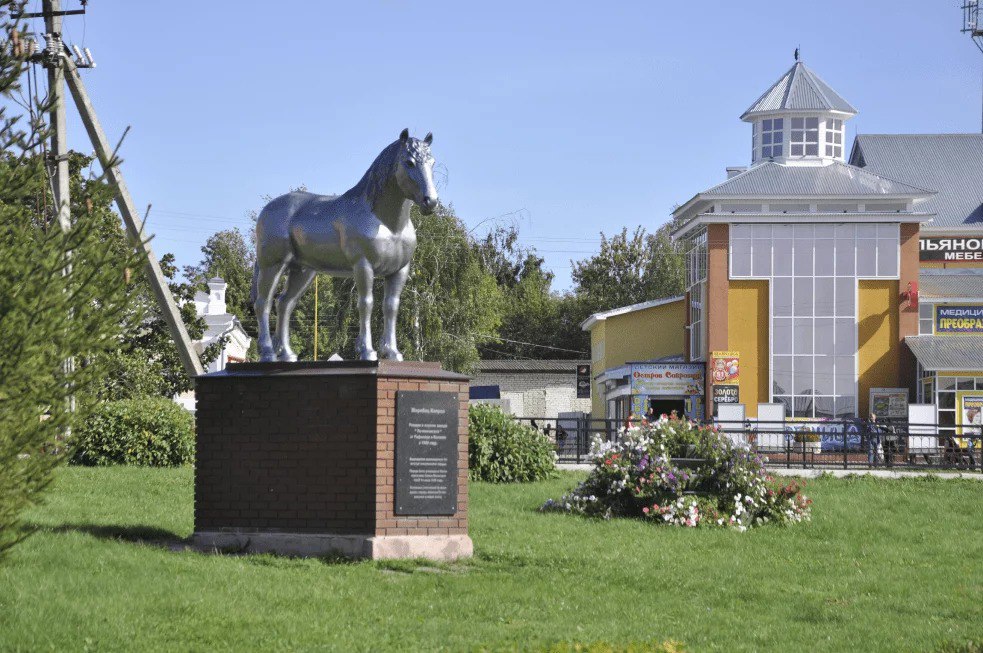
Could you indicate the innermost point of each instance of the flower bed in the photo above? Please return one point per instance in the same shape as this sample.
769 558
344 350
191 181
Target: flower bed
674 471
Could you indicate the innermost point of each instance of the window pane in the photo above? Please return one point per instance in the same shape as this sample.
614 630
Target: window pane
740 231
803 257
812 123
761 231
825 231
845 296
766 138
782 257
866 259
740 257
798 137
925 310
888 231
824 336
803 406
844 407
803 296
778 123
844 258
866 231
824 407
845 232
824 257
766 124
803 335
947 383
797 123
781 336
782 377
796 150
762 258
845 343
829 150
802 378
825 293
805 231
844 376
812 150
777 137
782 296
824 375
887 258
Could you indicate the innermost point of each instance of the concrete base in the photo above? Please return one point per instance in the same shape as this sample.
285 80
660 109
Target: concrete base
310 545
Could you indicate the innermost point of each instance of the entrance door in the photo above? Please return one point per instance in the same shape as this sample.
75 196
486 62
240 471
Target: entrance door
665 406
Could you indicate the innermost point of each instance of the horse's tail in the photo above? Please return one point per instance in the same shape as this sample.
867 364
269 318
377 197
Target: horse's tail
254 289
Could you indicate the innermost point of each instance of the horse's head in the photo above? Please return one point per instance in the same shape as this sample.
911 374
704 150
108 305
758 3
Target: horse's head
414 171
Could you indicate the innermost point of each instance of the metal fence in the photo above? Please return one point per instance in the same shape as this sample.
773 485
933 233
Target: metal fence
831 444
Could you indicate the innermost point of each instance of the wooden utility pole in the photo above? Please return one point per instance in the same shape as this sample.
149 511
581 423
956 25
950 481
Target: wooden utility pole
54 61
58 61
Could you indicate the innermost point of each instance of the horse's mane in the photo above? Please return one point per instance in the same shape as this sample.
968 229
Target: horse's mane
375 178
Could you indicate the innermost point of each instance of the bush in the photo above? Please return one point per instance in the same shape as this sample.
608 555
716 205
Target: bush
726 486
807 436
153 432
501 450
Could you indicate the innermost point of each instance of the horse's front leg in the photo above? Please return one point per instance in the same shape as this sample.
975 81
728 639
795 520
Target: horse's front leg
390 307
364 275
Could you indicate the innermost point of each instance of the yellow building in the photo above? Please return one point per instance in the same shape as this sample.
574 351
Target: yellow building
803 275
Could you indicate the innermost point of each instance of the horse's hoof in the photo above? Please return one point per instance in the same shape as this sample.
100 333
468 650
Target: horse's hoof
390 353
288 358
368 355
267 356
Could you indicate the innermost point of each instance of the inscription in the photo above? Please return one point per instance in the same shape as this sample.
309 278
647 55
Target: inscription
426 453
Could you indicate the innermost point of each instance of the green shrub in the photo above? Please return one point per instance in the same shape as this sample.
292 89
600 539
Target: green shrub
153 432
501 450
807 436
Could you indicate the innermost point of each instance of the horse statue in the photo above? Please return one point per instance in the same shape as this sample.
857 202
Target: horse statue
364 233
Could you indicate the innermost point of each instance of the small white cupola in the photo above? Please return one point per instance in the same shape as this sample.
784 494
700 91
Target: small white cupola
798 121
216 296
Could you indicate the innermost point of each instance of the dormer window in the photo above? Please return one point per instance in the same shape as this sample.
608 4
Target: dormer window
805 137
834 138
772 137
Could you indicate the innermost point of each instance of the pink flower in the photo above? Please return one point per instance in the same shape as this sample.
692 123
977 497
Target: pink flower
645 510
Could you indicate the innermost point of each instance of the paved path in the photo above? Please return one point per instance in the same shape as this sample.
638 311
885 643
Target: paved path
838 473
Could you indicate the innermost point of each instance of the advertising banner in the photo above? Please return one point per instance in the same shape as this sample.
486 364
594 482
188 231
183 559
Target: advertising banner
831 434
889 403
970 417
678 379
966 319
951 248
727 394
583 382
725 367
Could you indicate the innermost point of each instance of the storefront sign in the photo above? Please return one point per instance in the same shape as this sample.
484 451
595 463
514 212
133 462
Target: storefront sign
724 367
951 248
583 382
675 379
970 415
726 394
958 319
889 403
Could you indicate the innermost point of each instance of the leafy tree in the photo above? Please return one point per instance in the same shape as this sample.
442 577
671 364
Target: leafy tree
64 296
629 269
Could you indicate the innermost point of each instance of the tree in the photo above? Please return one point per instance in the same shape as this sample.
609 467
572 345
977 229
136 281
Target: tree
63 296
629 270
227 255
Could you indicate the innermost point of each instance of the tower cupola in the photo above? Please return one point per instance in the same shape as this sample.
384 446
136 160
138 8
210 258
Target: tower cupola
798 120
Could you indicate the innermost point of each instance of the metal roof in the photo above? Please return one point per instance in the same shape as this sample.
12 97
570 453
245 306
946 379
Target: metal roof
799 89
530 366
603 315
951 164
790 181
960 283
947 353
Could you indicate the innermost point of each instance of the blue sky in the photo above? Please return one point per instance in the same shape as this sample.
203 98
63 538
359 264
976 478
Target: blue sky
572 118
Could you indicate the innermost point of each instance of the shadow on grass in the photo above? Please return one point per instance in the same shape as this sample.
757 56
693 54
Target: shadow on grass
170 541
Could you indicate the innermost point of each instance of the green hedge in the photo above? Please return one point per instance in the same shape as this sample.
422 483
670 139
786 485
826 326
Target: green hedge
152 432
501 450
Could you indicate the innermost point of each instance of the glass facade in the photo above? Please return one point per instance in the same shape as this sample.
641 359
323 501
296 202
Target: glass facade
812 271
696 283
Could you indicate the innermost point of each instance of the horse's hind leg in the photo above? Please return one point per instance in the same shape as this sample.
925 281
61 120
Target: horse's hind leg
265 284
364 275
390 307
298 279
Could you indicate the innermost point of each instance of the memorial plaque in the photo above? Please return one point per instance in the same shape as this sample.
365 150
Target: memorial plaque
426 453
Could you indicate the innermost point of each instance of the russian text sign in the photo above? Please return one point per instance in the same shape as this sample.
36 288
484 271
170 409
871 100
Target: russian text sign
426 453
951 248
958 319
673 379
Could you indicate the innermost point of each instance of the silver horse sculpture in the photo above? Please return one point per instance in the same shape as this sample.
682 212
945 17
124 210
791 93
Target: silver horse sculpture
363 234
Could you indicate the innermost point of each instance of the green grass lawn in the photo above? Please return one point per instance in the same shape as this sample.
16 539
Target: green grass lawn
884 565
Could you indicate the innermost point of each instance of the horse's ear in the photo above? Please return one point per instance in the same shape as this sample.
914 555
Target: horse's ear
404 135
428 139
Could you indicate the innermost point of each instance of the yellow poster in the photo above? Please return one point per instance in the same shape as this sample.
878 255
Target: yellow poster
969 417
725 367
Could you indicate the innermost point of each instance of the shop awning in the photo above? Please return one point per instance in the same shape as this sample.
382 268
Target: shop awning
947 353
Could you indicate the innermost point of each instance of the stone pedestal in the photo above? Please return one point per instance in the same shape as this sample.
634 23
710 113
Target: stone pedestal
358 458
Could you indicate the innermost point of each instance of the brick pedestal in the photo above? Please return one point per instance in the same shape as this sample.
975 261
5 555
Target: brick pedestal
299 459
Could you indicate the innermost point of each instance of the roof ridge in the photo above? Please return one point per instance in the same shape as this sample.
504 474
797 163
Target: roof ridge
812 79
891 179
